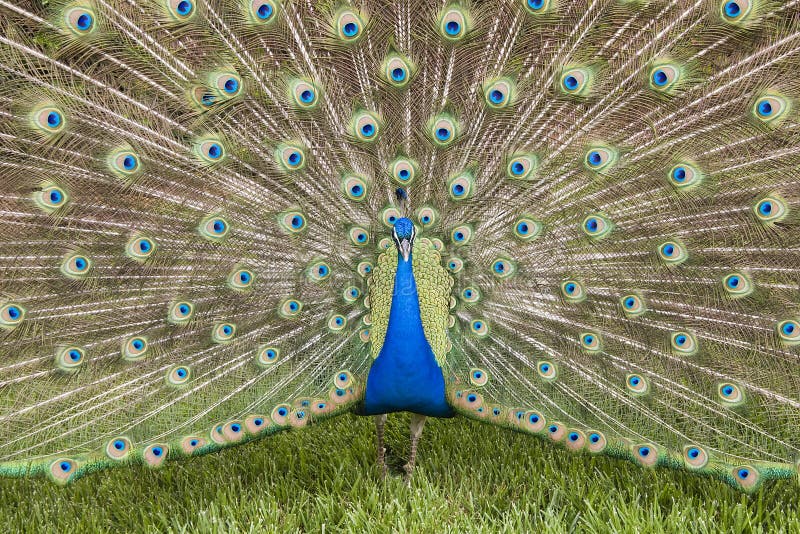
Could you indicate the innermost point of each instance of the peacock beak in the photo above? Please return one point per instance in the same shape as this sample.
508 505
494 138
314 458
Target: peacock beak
405 248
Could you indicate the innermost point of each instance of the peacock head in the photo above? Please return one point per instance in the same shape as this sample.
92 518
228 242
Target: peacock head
403 235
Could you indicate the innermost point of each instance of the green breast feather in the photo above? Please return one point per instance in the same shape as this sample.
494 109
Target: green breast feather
434 286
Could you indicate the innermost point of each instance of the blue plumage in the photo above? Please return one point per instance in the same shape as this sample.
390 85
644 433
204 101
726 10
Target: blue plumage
405 376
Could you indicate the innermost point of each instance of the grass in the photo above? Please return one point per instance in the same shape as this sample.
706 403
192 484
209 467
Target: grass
470 477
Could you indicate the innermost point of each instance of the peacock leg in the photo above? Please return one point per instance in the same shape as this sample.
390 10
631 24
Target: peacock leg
417 422
380 421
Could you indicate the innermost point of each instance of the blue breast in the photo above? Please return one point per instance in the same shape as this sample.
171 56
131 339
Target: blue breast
405 376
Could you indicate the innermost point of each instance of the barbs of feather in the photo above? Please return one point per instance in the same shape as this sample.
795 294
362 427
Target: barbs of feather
209 235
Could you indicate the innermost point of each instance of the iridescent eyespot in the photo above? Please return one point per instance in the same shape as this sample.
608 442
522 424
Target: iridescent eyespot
454 265
685 176
358 236
770 108
293 222
267 355
62 470
575 440
354 187
503 268
227 84
461 235
349 26
365 126
364 335
180 9
573 291
233 431
262 11
632 305
770 209
646 454
403 170
499 93
118 448
454 23
398 70
241 278
600 159
636 384
155 454
538 7
427 216
479 327
11 314
443 130
576 81
290 308
123 162
214 228
736 11
478 377
683 343
337 322
789 331
305 94
351 294
140 248
318 271
596 226
527 229
590 341
547 370
255 424
672 253
76 266
737 285
746 476
664 78
556 431
180 312
521 166
280 414
202 97
210 150
533 421
364 268
190 444
343 379
223 332
134 348
470 295
70 358
460 187
80 20
290 156
48 120
596 441
180 374
390 215
730 394
695 456
50 197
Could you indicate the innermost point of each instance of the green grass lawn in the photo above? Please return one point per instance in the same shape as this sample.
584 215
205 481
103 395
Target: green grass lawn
470 477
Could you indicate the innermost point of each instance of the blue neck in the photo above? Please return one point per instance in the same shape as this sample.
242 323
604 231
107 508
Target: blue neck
405 376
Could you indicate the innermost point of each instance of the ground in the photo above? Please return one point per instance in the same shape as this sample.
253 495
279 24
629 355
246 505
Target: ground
470 477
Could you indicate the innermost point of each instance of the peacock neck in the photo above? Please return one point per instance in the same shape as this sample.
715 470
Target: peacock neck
405 376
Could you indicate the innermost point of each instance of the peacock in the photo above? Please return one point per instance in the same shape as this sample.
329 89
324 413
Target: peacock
578 220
